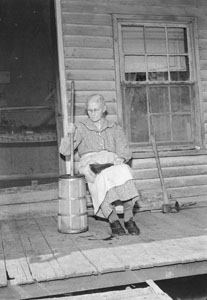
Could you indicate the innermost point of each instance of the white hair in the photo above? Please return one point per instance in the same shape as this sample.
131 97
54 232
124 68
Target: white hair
96 98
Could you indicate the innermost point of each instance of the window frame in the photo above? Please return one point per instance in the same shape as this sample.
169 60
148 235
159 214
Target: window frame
190 23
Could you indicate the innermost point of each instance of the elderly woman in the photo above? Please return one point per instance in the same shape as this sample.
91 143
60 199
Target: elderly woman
101 141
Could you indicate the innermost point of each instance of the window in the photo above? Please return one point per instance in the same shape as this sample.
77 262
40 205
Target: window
157 82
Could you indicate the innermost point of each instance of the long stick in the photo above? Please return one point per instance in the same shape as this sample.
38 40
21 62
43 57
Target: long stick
72 135
164 191
154 146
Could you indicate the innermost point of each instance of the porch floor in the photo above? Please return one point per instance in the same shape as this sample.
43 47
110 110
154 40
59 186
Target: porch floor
38 261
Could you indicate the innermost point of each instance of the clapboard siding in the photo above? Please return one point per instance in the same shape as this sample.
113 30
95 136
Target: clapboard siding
203 53
86 19
90 75
204 86
203 64
185 179
88 41
205 120
204 98
188 191
167 162
170 172
203 73
151 3
202 44
80 52
82 96
93 85
202 33
181 181
153 199
90 64
205 107
109 7
89 61
201 20
90 30
176 192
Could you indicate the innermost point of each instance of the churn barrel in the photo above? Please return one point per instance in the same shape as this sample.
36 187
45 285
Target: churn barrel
72 215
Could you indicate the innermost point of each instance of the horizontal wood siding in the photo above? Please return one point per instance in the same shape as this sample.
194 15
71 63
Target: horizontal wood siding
185 178
159 7
89 64
101 53
202 41
89 60
89 56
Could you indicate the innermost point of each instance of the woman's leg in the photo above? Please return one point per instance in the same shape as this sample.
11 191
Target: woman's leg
129 223
128 210
108 210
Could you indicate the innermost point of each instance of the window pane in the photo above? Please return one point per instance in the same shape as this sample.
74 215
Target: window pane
159 100
135 69
177 40
157 68
155 40
136 111
133 39
179 68
180 99
162 128
182 128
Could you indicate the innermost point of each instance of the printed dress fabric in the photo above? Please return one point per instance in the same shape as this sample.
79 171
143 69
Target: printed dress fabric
103 146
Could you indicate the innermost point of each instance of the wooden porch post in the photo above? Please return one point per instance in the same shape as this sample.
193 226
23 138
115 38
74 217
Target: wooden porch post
61 66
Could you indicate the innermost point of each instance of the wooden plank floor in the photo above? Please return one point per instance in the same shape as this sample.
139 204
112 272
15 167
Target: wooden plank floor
37 260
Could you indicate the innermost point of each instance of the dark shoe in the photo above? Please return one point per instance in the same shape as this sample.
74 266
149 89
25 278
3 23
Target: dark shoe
132 227
116 228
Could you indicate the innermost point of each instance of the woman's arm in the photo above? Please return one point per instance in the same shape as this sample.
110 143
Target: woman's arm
122 146
65 145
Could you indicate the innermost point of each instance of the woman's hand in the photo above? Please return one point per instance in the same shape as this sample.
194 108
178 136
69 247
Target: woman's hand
119 161
71 128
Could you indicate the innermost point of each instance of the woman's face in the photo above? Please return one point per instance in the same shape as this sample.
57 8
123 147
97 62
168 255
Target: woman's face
95 111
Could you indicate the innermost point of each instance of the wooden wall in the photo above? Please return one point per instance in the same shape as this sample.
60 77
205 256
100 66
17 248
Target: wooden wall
89 57
89 61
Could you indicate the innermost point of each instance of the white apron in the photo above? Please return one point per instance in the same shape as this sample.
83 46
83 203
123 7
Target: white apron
110 177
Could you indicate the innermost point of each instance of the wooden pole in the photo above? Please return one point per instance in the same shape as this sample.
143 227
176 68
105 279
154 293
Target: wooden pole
165 196
72 134
62 79
166 203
